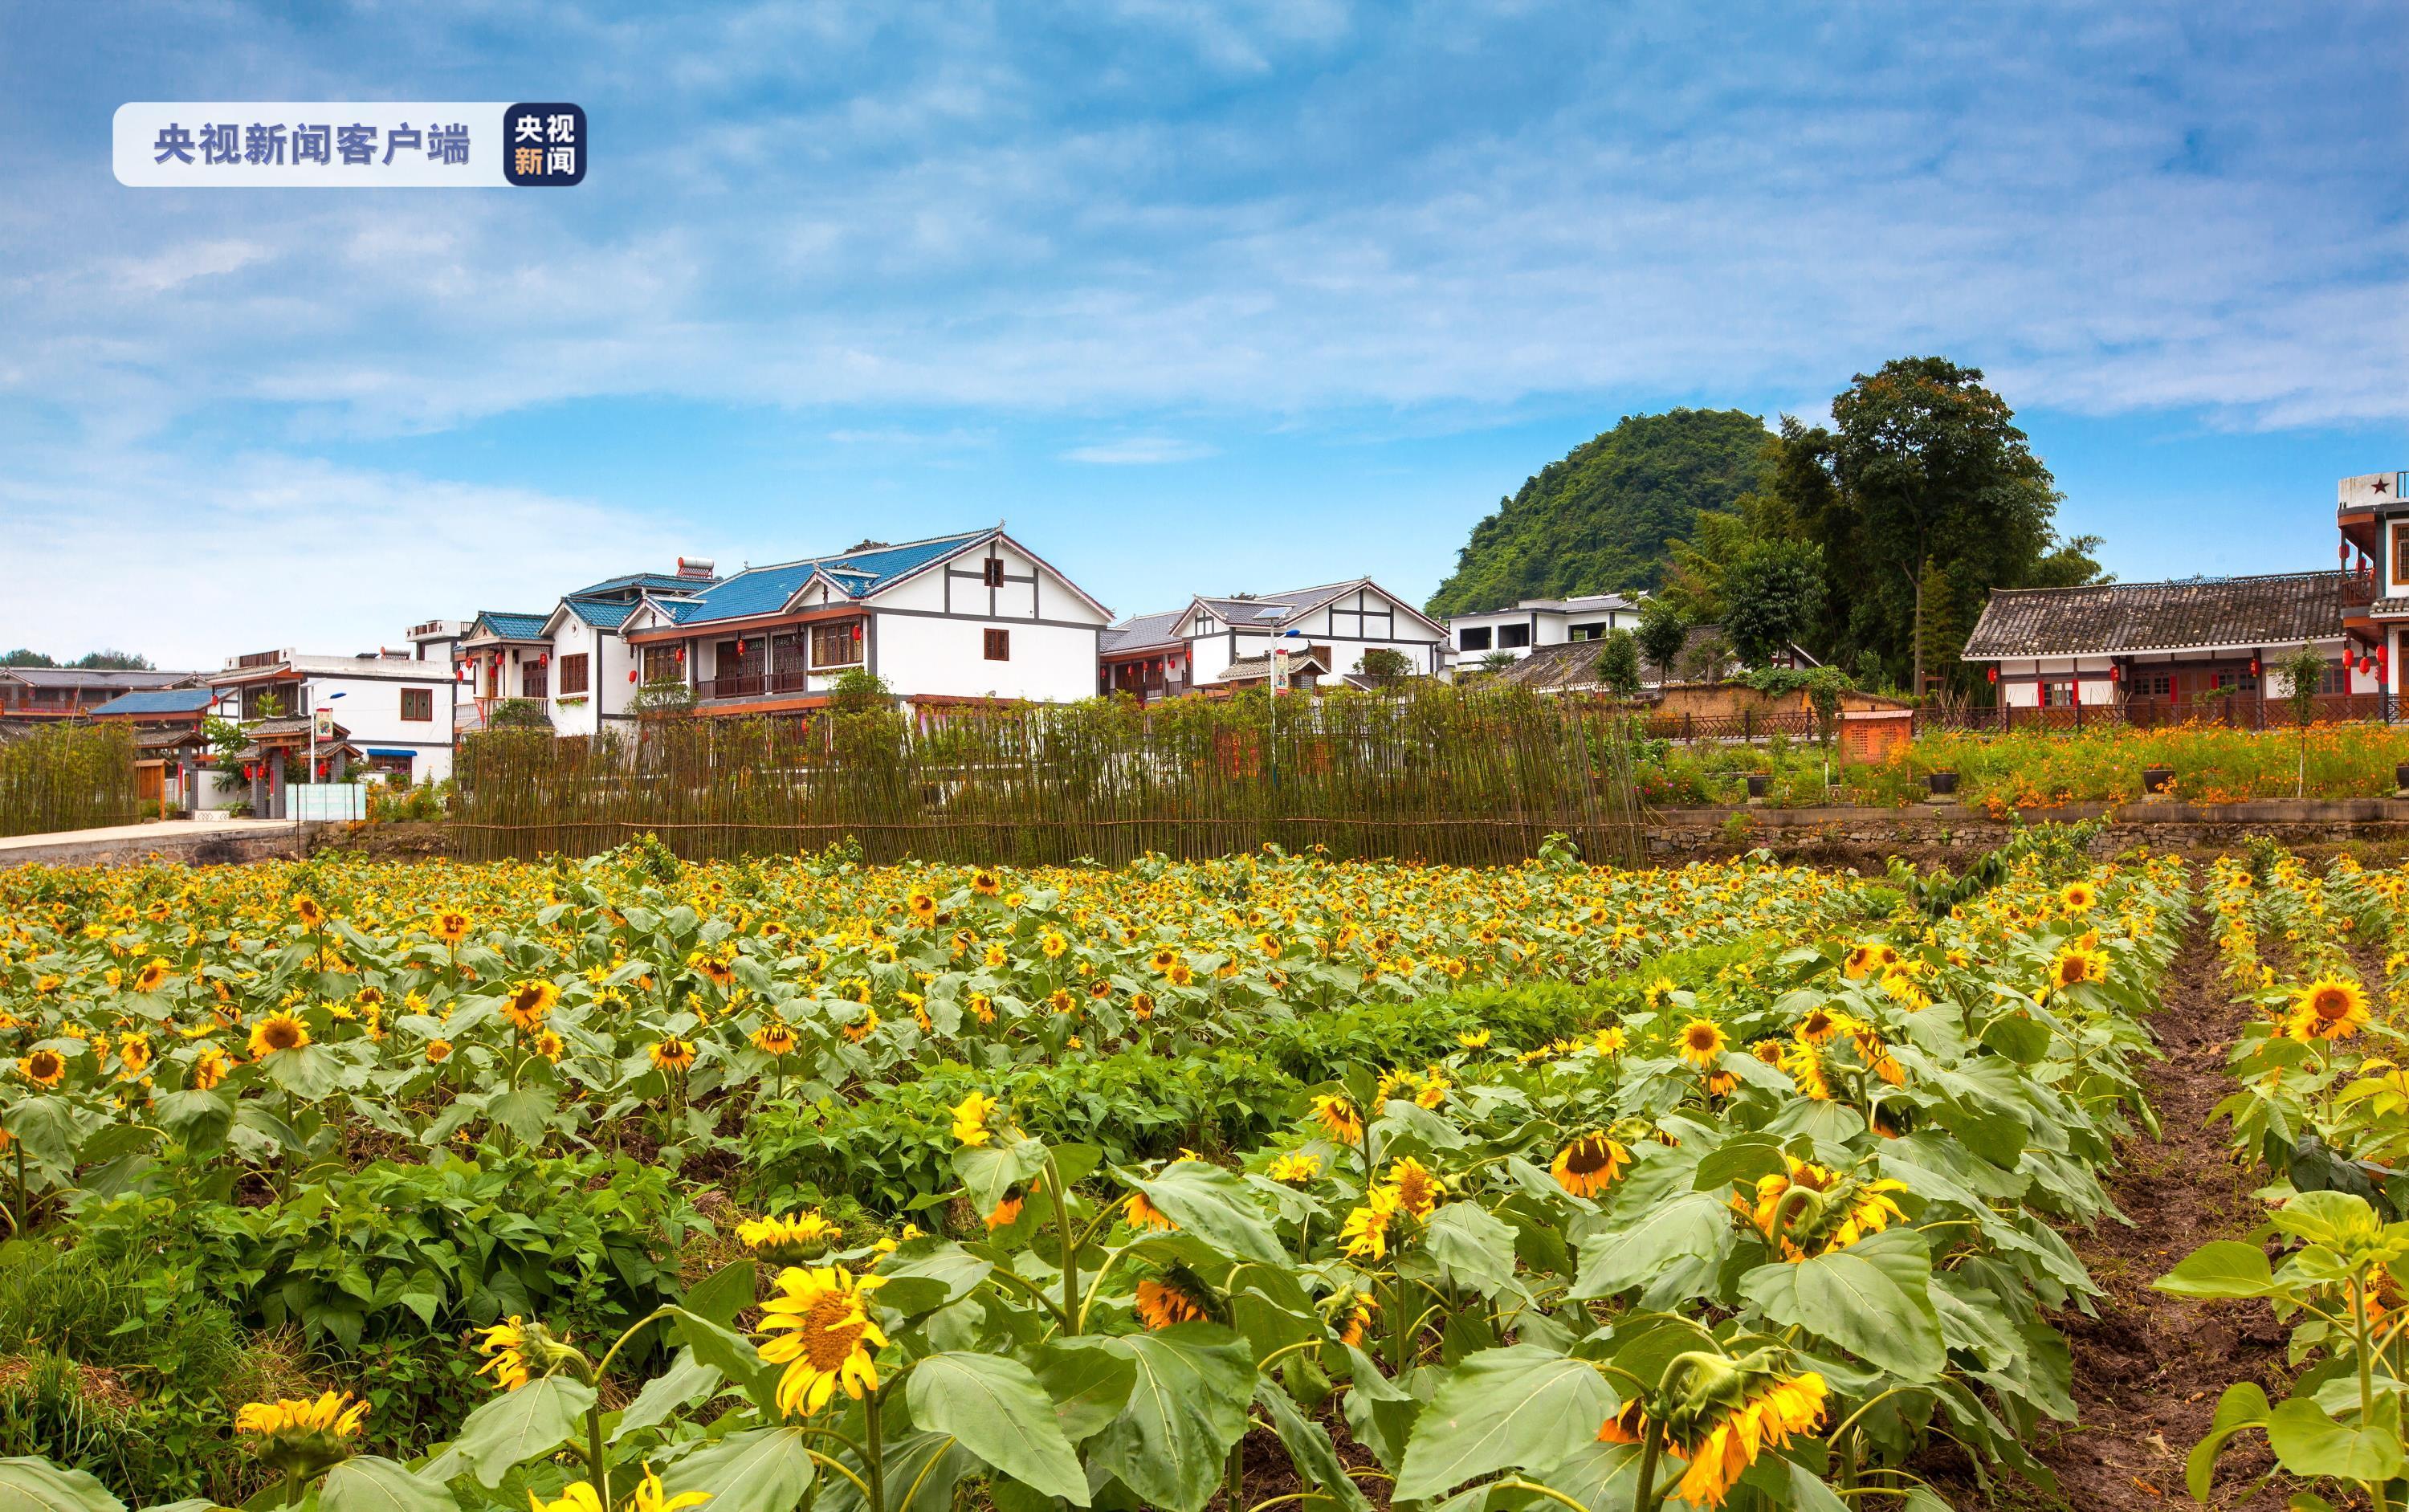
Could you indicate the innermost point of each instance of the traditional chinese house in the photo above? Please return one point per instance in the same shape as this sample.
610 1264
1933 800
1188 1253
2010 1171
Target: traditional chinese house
1180 650
2195 648
71 692
954 619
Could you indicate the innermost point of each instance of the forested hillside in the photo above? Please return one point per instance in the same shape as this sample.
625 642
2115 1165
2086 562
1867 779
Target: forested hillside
1600 518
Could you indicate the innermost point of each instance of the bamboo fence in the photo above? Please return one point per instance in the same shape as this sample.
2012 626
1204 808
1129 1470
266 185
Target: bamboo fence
1438 775
67 777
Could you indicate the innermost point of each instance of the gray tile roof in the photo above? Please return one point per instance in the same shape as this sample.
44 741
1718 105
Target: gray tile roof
2114 618
1139 632
98 677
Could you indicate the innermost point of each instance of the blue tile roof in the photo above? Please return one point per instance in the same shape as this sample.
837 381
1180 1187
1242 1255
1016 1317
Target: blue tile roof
164 701
764 590
512 626
605 612
638 580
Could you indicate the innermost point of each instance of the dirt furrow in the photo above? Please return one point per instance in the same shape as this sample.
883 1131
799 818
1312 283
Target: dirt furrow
2148 1369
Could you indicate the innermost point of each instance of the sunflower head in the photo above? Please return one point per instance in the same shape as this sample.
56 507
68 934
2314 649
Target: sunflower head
818 1324
302 1438
1339 1117
43 1068
1173 1297
2328 1008
789 1240
1416 1186
1589 1164
277 1032
1144 1216
1701 1041
673 1055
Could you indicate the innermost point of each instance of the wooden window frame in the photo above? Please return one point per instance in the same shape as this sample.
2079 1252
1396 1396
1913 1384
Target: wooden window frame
843 630
2400 553
573 678
535 680
991 570
422 698
997 644
666 658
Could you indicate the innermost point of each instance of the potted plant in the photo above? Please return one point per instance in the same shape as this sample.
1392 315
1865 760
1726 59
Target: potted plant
1941 784
1759 784
2157 779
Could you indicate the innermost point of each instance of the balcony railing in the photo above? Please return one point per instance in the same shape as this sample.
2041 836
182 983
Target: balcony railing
757 685
2359 588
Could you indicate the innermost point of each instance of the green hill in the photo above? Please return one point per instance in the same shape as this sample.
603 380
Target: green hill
1597 521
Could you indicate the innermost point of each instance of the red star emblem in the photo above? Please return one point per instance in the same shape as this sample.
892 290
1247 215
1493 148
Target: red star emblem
2380 485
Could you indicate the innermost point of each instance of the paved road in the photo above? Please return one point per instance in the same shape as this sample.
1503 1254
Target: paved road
200 840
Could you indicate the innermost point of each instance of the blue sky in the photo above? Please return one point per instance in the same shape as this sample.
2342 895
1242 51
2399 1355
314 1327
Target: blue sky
1196 296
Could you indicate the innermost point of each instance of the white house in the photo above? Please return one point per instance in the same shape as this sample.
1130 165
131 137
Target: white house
397 708
1523 626
957 618
588 662
1181 650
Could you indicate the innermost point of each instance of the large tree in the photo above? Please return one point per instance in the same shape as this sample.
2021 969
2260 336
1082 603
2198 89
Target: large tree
1921 467
1772 597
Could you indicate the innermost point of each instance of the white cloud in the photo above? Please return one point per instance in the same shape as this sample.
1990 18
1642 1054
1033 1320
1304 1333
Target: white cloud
1278 210
1140 451
188 566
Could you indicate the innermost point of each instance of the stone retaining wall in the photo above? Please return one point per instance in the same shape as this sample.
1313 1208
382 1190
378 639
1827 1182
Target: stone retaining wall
2162 825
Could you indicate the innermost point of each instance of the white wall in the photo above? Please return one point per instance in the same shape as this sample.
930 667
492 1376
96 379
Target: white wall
1049 663
2097 688
370 710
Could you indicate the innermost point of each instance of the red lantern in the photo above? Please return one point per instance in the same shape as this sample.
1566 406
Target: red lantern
2115 671
1991 674
631 674
544 660
2254 665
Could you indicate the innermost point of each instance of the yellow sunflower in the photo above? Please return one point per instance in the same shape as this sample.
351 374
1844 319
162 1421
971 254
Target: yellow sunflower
818 1326
1764 1419
1162 1304
1589 1165
43 1068
1364 1235
673 1055
528 1003
502 1345
2328 1008
1418 1191
786 1240
1339 1118
1702 1042
970 1117
277 1032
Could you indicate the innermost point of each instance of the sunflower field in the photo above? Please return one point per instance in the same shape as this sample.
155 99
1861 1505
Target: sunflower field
2320 1107
636 1184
